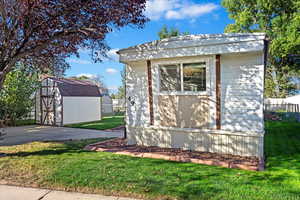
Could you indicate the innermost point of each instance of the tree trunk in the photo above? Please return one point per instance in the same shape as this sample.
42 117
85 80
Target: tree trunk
4 69
1 79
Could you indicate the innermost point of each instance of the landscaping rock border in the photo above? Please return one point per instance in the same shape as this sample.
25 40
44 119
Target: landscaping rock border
119 146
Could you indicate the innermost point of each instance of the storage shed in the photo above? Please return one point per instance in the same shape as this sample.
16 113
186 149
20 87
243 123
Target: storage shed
65 101
197 92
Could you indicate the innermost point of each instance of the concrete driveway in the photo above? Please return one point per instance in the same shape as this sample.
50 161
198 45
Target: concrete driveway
26 134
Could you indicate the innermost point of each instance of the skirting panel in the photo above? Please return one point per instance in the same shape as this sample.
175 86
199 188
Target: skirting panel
197 140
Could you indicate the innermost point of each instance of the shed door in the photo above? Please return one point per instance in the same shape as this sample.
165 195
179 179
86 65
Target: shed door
48 103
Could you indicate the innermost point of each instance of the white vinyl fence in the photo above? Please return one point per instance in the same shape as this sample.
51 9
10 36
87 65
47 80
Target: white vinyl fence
280 104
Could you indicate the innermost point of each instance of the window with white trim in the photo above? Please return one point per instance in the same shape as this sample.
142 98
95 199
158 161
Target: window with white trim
183 77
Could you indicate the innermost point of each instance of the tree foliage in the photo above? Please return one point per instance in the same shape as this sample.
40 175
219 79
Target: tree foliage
280 20
17 95
42 32
166 32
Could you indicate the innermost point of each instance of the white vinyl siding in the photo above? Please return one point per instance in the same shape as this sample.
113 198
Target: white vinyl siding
242 92
137 110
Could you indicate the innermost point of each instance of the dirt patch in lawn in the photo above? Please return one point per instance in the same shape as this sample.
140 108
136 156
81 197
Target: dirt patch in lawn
119 146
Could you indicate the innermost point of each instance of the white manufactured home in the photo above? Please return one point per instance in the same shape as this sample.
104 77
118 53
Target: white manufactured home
197 92
66 101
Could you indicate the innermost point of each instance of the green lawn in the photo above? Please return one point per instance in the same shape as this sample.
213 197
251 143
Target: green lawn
25 122
105 123
66 166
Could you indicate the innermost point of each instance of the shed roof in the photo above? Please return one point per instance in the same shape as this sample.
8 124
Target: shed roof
192 45
77 88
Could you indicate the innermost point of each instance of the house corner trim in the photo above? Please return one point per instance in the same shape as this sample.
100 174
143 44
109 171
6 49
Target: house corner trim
218 91
150 92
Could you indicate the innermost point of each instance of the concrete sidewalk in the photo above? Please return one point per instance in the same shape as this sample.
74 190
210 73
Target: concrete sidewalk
21 193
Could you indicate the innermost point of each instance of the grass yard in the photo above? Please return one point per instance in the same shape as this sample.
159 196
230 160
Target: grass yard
105 123
22 122
25 122
66 166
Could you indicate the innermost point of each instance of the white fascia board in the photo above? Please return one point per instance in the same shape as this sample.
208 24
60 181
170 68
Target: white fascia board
195 50
195 40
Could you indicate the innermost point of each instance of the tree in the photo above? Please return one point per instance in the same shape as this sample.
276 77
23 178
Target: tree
16 97
80 78
280 20
121 90
56 67
40 32
165 32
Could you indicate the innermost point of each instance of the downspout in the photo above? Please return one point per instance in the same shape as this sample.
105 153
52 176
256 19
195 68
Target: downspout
265 56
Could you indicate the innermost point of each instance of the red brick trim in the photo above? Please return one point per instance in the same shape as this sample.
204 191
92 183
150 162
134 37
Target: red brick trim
150 93
218 92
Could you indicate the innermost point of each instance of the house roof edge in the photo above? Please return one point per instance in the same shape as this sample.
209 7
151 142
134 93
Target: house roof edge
238 36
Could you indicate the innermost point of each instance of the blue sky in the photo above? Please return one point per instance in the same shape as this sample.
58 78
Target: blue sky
196 17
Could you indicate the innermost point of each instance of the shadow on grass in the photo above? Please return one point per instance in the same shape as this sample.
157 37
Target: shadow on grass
66 147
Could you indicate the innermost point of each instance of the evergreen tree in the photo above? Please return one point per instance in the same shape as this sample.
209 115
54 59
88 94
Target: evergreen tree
166 32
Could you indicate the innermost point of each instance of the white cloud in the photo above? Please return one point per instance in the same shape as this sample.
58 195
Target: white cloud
83 50
90 76
177 9
113 87
111 71
155 9
172 14
79 61
112 54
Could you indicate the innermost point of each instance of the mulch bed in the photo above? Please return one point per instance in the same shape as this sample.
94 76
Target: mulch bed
119 146
272 116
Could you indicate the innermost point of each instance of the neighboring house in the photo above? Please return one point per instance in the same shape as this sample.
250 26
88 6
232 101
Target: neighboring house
106 102
106 105
118 105
65 101
197 92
